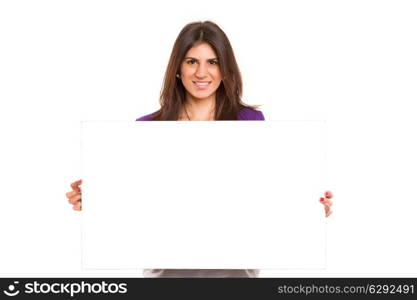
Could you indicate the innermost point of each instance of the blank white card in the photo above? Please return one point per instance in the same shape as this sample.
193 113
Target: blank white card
203 195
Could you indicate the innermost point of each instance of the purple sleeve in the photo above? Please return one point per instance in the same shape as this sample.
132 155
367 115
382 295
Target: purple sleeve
145 118
248 114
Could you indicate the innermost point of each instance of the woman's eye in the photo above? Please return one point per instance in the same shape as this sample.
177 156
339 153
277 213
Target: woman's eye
211 62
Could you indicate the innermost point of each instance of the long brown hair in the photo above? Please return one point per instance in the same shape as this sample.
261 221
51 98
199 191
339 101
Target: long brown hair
228 94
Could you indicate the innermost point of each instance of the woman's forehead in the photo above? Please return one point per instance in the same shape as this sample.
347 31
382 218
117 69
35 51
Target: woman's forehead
201 50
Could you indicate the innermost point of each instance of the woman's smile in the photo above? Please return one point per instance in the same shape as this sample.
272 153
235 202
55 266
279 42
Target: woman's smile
201 85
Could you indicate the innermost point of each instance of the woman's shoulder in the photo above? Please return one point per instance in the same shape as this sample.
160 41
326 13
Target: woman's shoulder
250 114
146 117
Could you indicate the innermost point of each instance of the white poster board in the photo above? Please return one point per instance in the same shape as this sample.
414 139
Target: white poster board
203 195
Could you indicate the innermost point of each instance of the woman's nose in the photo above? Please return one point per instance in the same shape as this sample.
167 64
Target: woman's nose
201 71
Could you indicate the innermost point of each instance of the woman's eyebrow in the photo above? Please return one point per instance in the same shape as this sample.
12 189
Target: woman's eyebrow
214 58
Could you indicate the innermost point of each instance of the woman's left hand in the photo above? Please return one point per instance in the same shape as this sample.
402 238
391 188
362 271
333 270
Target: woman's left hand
327 202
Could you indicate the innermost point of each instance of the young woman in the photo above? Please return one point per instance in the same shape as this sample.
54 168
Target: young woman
202 82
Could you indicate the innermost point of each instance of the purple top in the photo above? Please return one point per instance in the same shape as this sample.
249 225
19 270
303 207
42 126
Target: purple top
244 114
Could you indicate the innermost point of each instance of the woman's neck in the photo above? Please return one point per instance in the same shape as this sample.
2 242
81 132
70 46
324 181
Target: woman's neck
199 109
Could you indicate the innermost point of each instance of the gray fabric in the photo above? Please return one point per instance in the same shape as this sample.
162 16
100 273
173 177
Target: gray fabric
206 273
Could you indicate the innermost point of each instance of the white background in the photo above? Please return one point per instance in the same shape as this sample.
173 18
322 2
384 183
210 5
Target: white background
351 63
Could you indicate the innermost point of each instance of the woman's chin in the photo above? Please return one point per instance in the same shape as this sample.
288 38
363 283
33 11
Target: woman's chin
201 96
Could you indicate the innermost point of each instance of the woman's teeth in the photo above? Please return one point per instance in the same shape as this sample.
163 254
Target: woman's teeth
201 83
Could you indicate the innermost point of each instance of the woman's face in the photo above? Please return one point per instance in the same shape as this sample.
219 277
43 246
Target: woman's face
200 72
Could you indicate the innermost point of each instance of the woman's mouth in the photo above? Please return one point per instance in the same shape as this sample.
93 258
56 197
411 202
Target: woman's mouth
202 85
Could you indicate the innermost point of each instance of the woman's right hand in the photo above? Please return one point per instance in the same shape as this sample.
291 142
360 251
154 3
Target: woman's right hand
74 197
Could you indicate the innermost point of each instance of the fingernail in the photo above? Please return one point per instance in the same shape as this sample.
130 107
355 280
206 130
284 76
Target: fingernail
321 199
327 194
